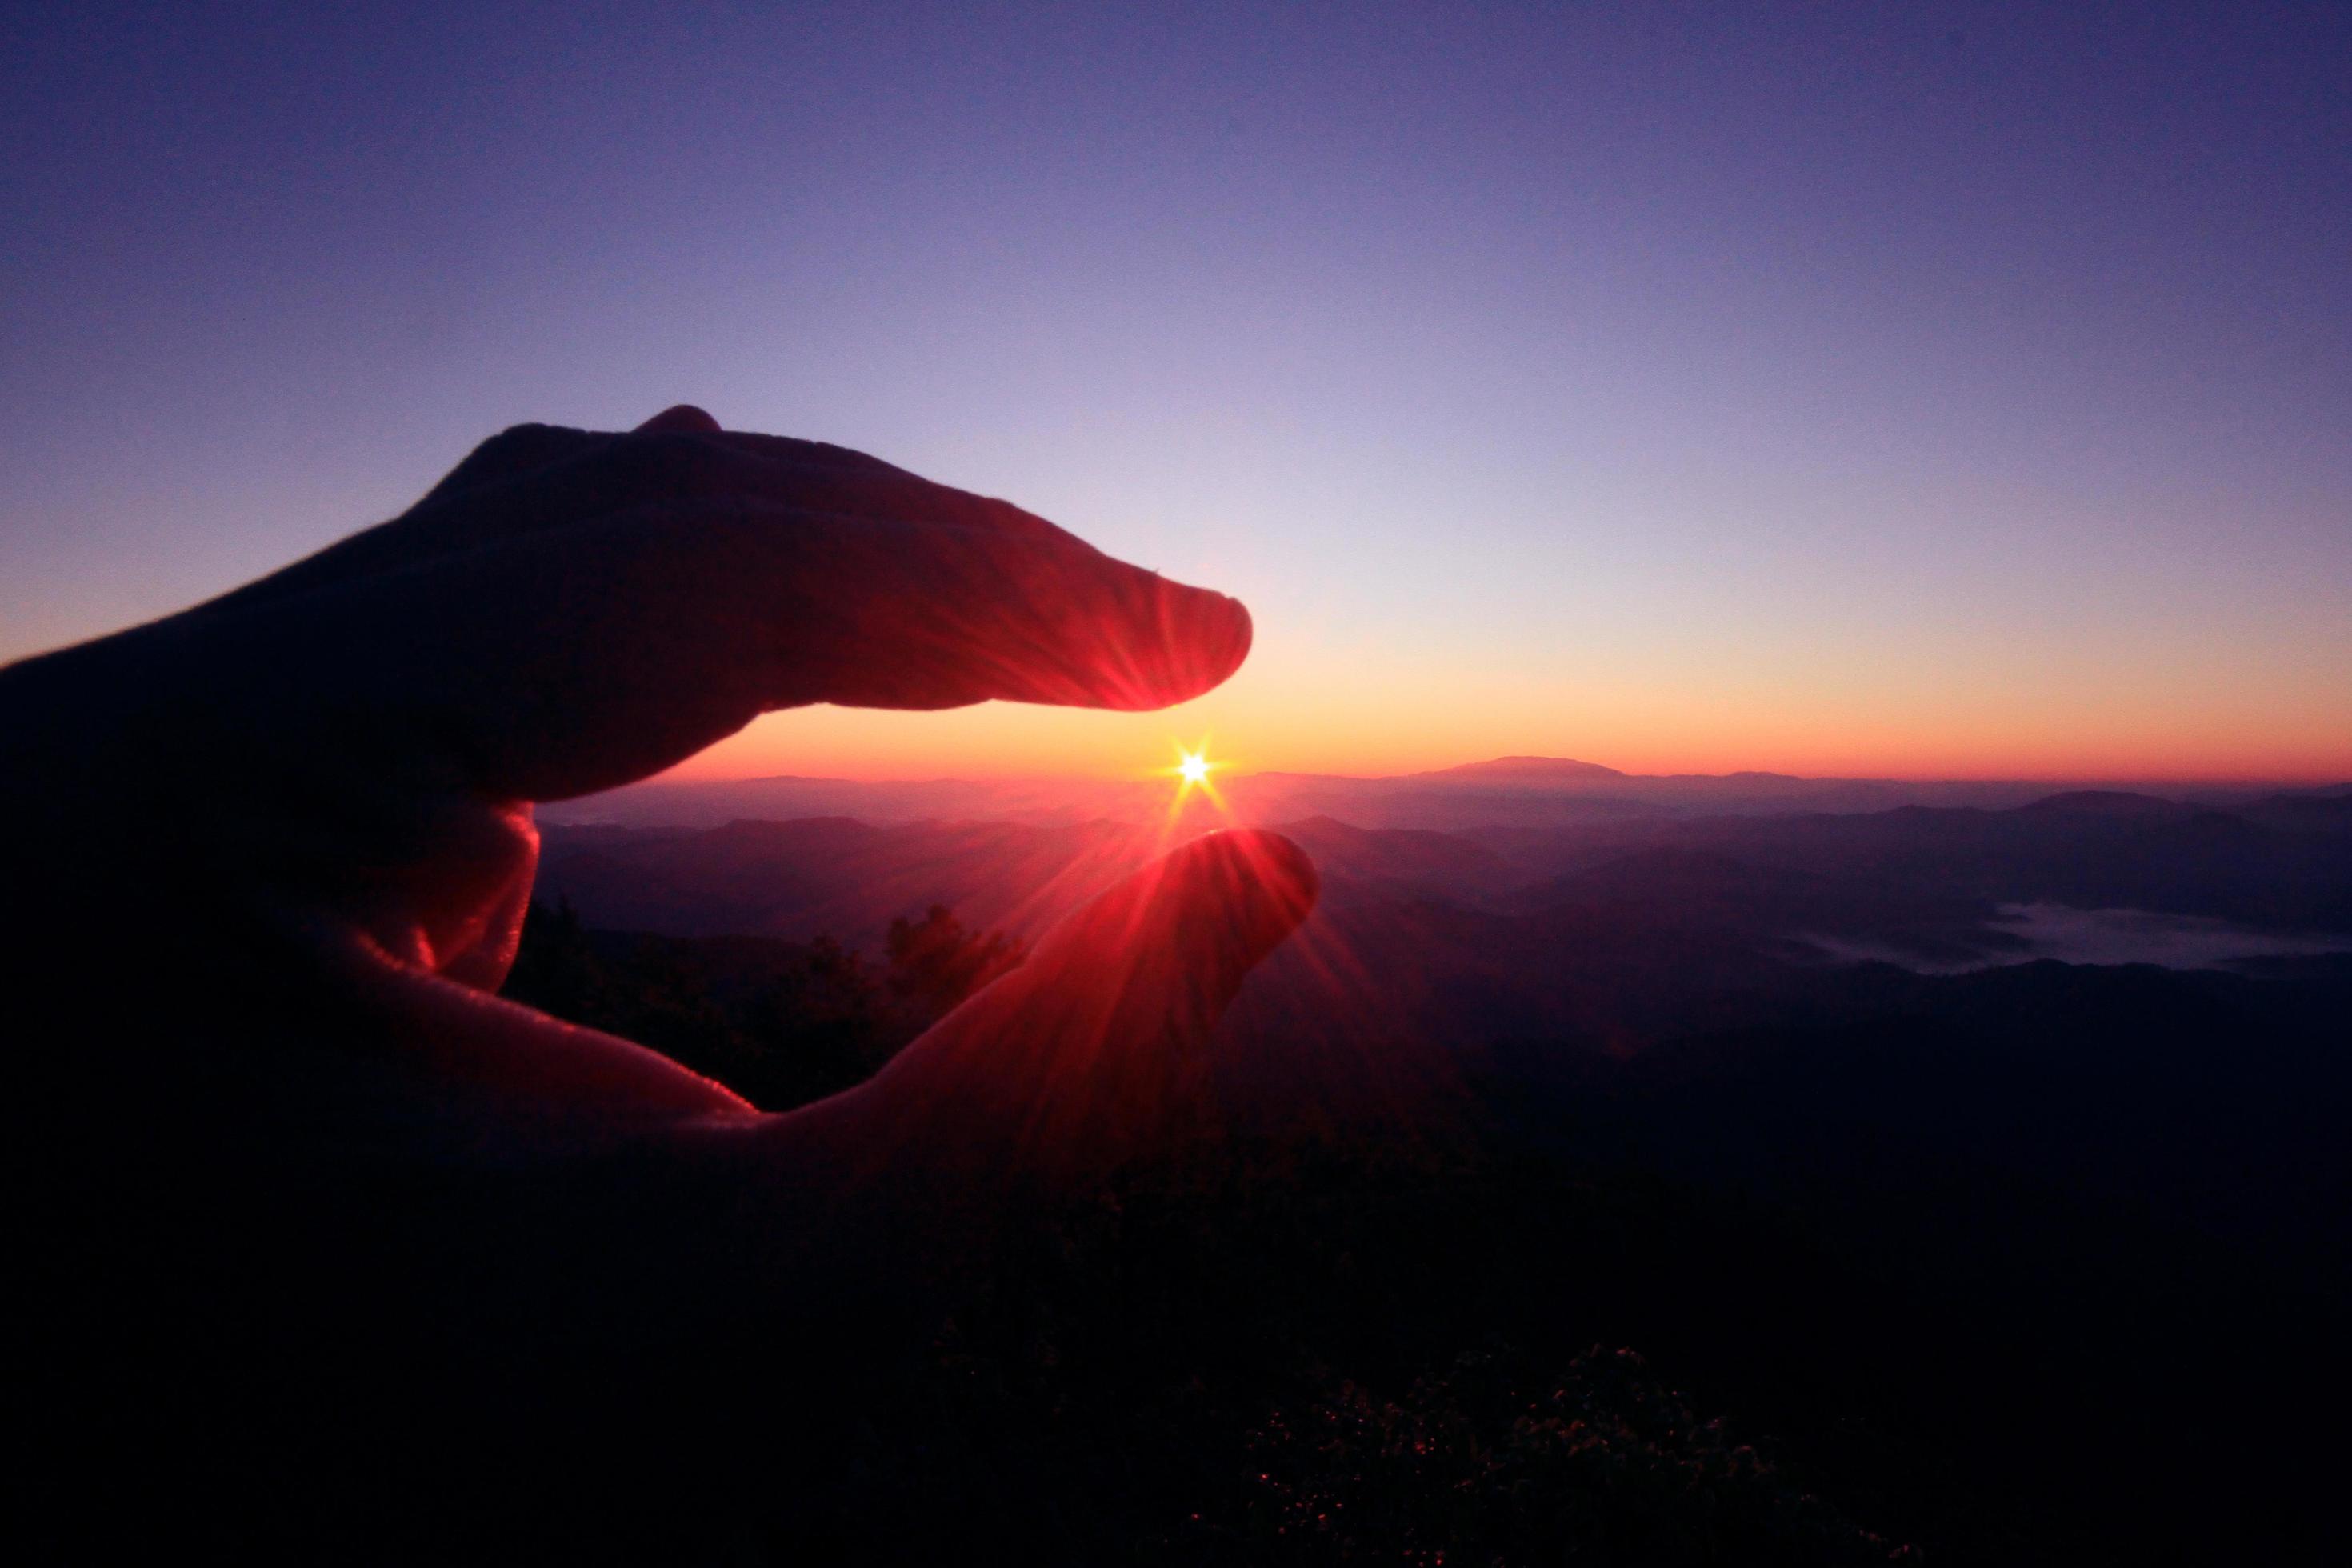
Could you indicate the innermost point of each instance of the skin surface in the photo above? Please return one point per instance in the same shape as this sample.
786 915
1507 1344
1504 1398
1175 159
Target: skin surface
327 1229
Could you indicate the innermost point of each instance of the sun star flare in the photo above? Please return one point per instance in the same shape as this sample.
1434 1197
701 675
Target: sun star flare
1194 770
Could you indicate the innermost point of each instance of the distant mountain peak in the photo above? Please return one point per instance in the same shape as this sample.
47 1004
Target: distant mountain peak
1528 767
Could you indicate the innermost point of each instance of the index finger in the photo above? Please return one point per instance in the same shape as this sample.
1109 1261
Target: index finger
565 658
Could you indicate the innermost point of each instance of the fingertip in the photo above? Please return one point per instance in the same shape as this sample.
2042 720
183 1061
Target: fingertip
1257 885
1227 639
682 416
1175 644
1206 636
1177 938
1095 1049
1262 854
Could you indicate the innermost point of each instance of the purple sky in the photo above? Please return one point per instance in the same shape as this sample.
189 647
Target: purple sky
1951 389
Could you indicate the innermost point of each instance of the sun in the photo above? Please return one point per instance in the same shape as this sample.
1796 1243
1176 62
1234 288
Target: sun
1194 770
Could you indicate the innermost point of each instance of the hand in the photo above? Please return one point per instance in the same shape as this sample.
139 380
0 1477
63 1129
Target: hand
273 854
342 756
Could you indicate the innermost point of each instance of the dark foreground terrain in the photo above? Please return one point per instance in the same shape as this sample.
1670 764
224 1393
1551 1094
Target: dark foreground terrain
1797 1261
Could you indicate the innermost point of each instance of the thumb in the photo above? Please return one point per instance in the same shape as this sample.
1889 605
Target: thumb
1087 1054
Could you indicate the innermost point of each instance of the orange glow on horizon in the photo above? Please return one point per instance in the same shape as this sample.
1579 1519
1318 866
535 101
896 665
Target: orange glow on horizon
1366 711
1001 740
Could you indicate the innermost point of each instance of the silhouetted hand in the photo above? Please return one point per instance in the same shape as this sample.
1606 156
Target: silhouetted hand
275 853
347 750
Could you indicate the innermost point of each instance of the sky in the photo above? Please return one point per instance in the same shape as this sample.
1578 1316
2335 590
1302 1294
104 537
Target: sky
1908 391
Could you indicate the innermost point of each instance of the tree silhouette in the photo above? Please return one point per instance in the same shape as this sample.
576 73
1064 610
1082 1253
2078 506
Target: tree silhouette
935 963
781 1023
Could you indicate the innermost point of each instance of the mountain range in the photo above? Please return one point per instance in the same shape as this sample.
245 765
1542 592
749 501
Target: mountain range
1526 792
2027 1259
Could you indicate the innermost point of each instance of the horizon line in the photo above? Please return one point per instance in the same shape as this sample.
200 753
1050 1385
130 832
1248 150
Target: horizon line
1601 772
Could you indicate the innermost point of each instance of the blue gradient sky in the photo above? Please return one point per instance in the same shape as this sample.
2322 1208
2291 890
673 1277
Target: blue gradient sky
1946 390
